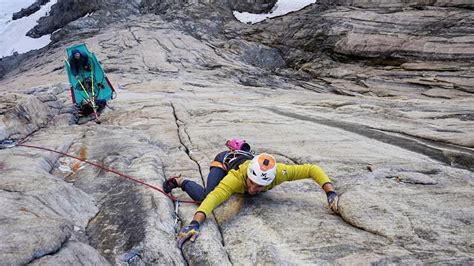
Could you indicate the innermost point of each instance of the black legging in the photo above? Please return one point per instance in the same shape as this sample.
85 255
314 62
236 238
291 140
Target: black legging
196 191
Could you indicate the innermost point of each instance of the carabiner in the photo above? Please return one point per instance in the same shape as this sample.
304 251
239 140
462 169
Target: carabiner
177 219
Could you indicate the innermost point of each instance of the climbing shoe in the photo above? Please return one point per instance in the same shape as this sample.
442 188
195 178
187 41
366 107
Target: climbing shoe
170 184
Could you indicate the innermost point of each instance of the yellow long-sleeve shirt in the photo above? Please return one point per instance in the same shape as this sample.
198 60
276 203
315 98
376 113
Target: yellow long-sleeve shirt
235 182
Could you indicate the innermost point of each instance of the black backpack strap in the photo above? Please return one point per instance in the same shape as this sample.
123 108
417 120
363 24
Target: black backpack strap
234 159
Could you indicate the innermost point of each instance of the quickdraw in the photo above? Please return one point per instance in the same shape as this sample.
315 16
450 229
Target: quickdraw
177 219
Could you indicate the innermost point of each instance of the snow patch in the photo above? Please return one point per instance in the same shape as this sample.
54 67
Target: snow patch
282 7
13 32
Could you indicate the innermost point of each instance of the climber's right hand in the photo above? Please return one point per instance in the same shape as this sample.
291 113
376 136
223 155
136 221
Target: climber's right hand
190 232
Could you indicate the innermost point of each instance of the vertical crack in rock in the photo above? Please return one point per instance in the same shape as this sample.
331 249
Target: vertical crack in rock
183 143
186 149
414 144
219 227
178 121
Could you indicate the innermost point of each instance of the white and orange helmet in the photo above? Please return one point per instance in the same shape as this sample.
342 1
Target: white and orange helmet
262 169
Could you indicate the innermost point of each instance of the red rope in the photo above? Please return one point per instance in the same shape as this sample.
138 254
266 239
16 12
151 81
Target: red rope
112 171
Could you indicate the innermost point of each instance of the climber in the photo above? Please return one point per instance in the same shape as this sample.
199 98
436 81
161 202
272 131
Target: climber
238 153
260 174
78 60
